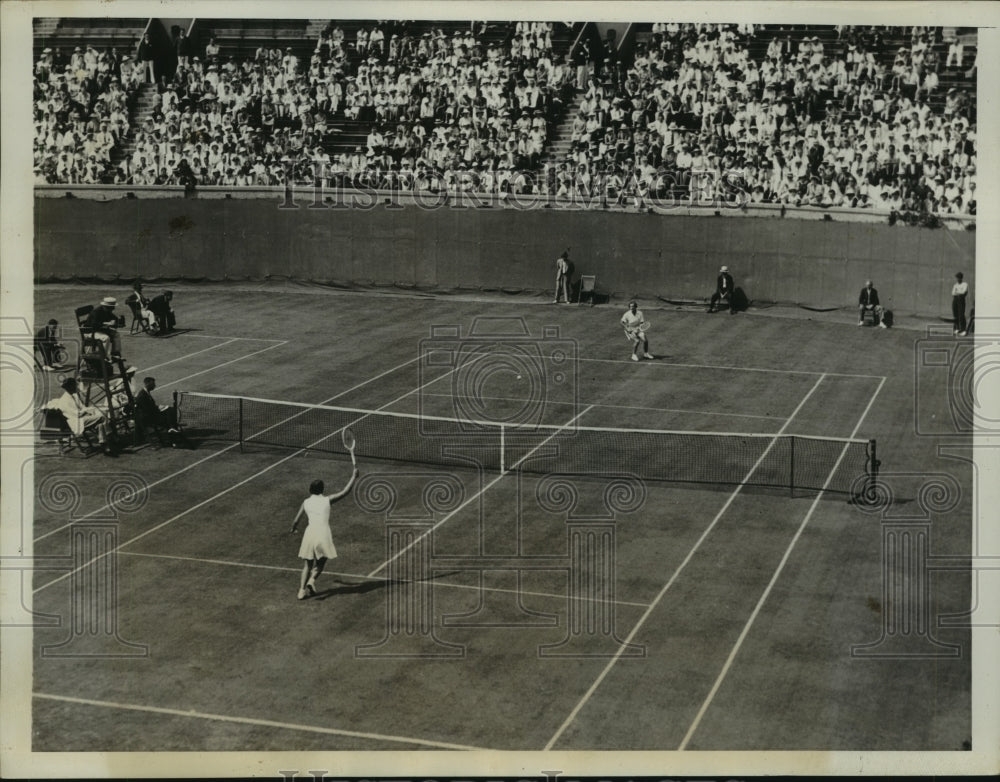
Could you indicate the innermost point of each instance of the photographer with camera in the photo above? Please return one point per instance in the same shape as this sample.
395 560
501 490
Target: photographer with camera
105 324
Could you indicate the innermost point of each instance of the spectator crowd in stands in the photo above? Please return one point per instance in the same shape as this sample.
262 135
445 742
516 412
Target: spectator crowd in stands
827 123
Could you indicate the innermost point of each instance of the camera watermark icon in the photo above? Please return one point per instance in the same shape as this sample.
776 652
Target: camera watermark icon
955 377
496 373
23 356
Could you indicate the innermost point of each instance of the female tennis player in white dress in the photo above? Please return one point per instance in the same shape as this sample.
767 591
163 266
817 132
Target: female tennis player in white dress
317 542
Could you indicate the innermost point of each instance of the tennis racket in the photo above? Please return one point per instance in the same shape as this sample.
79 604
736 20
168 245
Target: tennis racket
349 443
631 333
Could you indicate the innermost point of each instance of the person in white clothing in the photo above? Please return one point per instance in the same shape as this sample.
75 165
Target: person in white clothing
959 293
632 322
317 541
80 416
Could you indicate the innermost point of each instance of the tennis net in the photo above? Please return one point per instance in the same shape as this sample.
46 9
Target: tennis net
839 465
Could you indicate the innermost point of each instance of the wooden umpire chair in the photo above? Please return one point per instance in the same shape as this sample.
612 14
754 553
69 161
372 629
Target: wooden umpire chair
138 324
588 286
104 379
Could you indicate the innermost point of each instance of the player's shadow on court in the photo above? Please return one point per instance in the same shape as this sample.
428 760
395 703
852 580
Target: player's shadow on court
362 587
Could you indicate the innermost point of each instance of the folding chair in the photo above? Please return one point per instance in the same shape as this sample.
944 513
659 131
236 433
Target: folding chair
869 318
588 284
55 428
138 322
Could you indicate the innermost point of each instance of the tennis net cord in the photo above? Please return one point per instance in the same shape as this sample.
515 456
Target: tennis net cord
838 465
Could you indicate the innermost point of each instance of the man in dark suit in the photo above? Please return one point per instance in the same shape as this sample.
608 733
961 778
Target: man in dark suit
723 291
161 308
868 301
148 414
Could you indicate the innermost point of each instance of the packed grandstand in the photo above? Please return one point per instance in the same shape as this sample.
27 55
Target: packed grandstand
847 117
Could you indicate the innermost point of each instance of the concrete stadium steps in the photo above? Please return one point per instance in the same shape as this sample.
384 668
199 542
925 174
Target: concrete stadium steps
66 33
345 135
559 137
240 38
146 99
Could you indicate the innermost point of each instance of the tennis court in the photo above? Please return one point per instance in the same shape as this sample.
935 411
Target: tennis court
575 584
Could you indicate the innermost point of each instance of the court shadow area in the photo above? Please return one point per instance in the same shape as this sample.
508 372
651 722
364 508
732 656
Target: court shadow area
362 587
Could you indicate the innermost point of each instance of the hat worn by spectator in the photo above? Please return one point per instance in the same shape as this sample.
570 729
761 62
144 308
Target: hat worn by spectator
724 269
109 301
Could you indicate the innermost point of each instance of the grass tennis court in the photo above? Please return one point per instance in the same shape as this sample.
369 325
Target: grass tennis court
733 609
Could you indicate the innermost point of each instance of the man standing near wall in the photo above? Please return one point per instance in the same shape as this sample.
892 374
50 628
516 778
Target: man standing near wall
562 277
959 292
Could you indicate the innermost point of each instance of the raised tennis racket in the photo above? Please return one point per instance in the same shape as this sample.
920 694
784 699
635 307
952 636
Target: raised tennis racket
349 443
644 326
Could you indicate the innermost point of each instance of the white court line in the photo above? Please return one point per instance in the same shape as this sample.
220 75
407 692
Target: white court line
219 336
690 555
613 407
774 579
226 363
660 363
475 496
200 715
445 584
183 470
188 355
234 486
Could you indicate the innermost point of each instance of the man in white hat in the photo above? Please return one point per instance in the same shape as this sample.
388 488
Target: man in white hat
723 291
105 323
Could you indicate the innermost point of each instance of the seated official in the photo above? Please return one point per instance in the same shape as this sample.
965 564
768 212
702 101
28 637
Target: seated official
142 304
162 310
723 291
105 324
868 302
46 343
79 416
149 414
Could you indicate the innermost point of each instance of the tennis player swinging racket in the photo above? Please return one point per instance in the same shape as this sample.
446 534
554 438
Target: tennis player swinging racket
635 326
317 542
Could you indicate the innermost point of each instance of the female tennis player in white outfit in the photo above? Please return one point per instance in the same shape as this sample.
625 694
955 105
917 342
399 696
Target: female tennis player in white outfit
317 542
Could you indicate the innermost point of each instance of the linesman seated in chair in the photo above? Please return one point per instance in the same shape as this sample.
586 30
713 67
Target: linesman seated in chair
723 291
79 416
164 313
105 324
868 302
140 303
151 416
48 345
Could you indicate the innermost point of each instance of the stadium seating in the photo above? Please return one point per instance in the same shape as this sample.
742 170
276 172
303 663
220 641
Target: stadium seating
830 117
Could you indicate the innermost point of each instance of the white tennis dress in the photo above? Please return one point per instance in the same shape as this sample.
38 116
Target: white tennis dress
317 541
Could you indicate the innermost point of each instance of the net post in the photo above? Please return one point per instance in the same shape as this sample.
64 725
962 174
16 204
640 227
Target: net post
791 466
503 458
872 468
240 419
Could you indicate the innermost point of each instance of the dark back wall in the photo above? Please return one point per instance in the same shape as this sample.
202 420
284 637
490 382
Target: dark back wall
807 262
